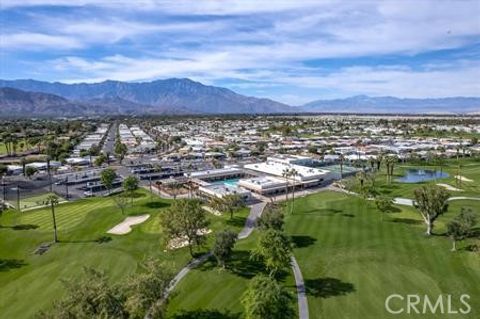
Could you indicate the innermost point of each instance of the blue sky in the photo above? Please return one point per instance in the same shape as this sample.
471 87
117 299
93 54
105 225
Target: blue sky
292 51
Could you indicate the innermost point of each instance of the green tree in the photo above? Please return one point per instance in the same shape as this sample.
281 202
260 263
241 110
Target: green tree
120 150
100 160
146 291
30 171
431 201
230 203
94 150
185 219
130 185
223 246
107 176
266 299
274 249
122 202
89 297
52 200
272 218
461 227
384 205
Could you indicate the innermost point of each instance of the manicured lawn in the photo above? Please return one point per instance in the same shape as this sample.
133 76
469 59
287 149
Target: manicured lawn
212 292
30 282
352 260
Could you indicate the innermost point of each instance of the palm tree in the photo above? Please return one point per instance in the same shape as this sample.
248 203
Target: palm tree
52 200
286 174
379 161
361 176
390 163
342 159
459 178
293 174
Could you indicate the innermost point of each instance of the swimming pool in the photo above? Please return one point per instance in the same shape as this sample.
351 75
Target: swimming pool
228 182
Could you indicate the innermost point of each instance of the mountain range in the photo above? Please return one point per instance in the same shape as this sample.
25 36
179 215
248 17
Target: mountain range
171 96
184 96
390 104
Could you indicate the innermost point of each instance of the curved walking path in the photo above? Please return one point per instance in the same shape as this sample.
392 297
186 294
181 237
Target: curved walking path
409 202
301 291
255 212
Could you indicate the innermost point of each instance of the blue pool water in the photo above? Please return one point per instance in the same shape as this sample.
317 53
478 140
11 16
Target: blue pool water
421 175
228 182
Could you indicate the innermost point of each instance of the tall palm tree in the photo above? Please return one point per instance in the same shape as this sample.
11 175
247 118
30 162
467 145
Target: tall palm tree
286 174
458 179
379 161
293 174
390 163
342 159
52 200
361 176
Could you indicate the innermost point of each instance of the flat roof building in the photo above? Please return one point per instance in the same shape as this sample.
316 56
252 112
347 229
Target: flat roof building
263 185
217 174
306 176
221 190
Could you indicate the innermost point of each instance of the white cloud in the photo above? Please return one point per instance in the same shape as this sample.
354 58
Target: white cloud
264 43
38 41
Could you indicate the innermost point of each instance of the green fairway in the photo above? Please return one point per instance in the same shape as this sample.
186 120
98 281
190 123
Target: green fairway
352 260
30 282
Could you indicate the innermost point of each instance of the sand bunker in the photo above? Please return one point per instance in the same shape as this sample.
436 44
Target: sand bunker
450 188
183 242
463 178
125 226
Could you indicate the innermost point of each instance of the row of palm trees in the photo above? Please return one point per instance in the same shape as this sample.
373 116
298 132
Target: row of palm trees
290 174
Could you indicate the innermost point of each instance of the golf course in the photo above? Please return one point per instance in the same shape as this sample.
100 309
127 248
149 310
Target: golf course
352 256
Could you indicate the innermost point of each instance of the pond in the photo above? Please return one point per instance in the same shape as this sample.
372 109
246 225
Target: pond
413 175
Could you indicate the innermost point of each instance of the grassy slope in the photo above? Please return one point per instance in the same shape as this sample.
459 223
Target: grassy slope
352 261
30 282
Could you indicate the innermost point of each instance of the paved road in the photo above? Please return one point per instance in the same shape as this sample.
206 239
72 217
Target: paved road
301 292
109 144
